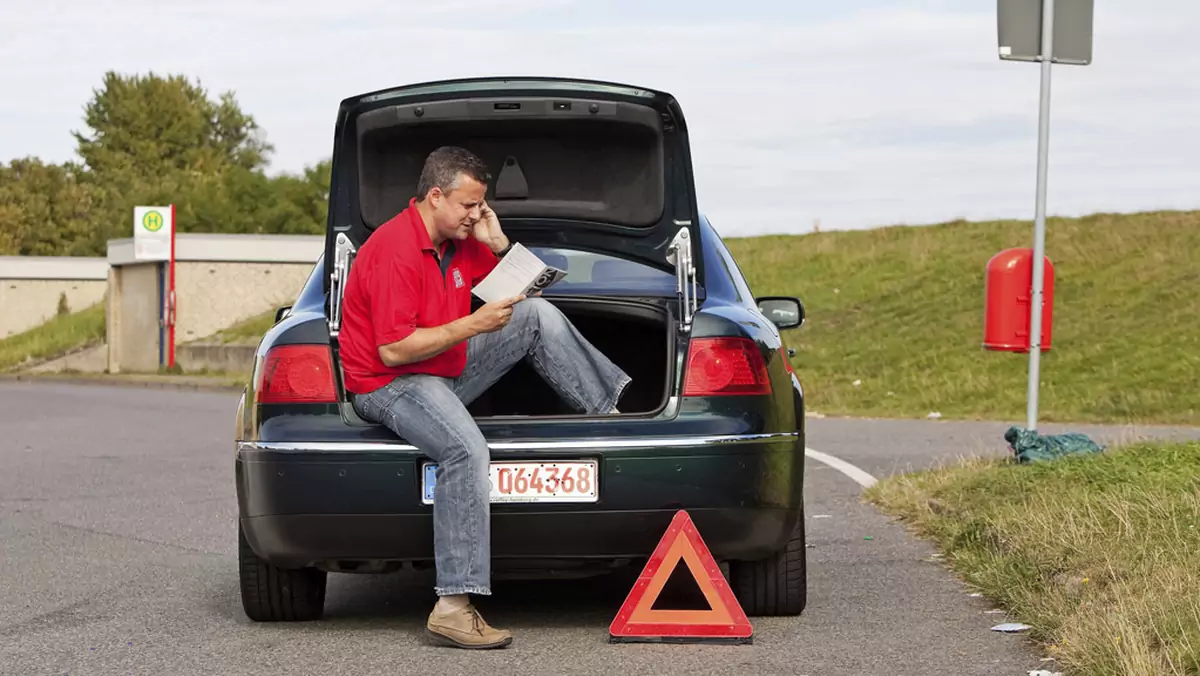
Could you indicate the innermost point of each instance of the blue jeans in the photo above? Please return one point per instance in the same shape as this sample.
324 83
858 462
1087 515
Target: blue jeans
430 413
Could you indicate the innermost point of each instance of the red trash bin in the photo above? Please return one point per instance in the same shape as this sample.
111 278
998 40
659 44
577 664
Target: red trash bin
1009 287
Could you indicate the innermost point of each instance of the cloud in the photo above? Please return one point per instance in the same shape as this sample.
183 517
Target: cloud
871 114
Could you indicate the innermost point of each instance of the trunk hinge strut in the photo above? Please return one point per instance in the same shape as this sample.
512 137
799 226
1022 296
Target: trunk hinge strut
343 254
679 253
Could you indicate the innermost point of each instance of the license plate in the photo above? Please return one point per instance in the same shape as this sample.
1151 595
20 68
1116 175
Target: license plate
574 481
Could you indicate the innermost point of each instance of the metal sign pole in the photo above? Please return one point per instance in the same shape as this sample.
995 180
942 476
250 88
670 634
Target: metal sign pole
1026 31
171 297
1039 227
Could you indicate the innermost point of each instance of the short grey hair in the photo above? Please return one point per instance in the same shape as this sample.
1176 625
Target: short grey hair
444 166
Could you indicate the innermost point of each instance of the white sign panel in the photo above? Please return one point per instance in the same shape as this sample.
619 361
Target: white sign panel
152 228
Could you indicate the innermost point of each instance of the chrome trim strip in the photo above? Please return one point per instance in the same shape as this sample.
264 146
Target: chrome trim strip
582 445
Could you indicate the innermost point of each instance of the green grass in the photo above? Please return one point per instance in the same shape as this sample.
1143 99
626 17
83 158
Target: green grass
902 308
247 332
62 334
1099 554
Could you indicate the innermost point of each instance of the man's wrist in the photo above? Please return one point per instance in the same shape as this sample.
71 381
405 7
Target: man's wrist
500 248
465 327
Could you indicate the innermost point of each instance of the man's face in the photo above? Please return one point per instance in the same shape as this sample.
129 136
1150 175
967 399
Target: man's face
456 212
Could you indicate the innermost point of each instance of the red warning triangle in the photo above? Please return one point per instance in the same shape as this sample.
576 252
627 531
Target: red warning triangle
637 621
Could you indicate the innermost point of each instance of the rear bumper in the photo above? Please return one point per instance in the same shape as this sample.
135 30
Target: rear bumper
303 504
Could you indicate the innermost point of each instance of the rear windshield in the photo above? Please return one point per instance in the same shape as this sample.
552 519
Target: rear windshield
593 273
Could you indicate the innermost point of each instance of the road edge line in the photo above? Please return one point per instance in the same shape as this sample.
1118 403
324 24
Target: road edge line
858 475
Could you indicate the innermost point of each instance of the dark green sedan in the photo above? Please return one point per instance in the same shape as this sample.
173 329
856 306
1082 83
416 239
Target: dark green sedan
596 178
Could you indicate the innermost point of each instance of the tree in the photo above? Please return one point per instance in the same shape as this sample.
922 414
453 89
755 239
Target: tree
306 198
154 139
45 210
241 201
152 125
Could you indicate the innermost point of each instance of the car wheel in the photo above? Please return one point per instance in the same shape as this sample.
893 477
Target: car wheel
273 594
776 585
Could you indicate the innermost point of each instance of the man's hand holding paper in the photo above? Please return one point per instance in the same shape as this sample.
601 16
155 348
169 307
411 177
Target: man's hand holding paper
519 273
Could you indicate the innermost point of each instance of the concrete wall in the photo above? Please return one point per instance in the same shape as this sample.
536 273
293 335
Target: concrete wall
220 280
214 357
133 318
31 286
213 296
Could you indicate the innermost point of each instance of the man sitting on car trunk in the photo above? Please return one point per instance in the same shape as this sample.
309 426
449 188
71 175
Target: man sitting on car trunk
416 357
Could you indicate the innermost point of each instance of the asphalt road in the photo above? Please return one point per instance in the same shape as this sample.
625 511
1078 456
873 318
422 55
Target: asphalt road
117 556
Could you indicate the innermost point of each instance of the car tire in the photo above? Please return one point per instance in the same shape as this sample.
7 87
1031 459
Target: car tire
776 585
274 594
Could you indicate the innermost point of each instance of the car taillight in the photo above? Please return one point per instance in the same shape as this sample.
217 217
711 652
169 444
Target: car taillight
297 374
717 366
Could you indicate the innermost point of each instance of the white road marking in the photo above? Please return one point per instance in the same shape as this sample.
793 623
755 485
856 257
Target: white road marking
859 476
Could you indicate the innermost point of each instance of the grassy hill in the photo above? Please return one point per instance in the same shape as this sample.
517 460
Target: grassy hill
246 332
62 334
901 309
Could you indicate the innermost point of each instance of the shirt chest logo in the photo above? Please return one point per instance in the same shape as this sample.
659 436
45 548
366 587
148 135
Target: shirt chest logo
458 278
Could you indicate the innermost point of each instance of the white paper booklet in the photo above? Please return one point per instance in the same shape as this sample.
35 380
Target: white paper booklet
520 272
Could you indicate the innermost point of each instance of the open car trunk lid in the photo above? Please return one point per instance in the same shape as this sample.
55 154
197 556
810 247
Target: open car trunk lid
576 164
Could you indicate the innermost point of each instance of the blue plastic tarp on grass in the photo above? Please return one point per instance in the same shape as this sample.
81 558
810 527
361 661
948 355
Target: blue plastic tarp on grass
1029 446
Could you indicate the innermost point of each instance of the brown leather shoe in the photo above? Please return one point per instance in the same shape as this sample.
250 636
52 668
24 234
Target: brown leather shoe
464 628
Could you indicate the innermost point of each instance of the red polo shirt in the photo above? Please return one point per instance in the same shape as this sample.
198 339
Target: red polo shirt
398 284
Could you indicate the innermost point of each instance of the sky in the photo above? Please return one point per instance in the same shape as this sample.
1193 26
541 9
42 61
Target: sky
846 113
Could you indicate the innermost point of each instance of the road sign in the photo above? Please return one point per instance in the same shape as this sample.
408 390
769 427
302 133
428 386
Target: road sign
1019 24
638 622
152 230
1026 36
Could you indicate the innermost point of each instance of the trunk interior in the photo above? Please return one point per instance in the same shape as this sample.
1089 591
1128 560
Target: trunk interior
636 336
